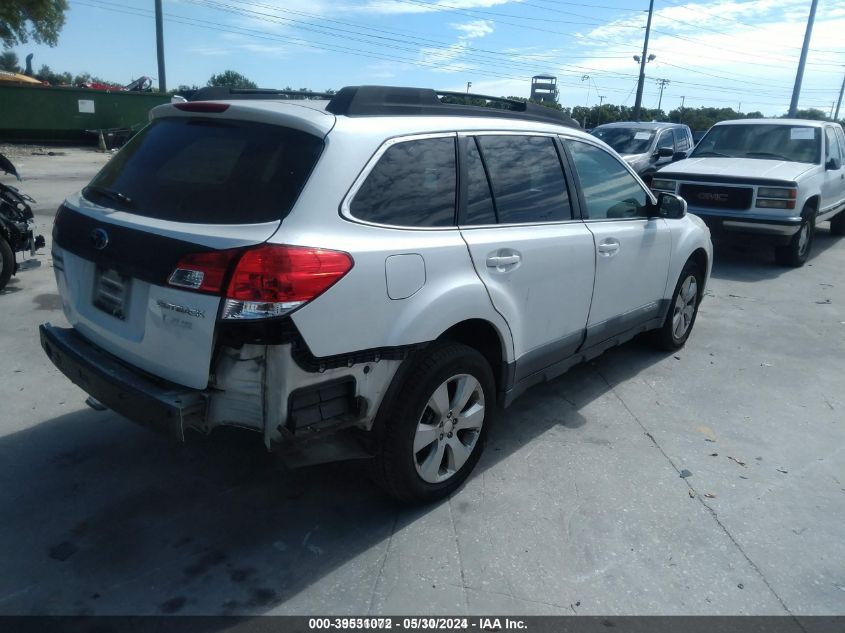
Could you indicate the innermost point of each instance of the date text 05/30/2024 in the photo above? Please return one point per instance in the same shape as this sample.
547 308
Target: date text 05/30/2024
423 623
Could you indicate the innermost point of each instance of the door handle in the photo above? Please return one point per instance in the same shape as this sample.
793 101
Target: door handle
609 247
494 261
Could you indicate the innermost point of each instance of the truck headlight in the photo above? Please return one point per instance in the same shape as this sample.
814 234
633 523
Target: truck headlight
777 192
776 197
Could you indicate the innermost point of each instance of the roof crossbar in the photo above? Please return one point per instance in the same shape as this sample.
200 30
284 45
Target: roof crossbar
401 101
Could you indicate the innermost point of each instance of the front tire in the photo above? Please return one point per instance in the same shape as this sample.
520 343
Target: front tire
432 431
797 251
683 309
837 224
7 262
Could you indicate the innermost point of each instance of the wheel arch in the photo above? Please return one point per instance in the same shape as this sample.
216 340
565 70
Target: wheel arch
482 336
813 203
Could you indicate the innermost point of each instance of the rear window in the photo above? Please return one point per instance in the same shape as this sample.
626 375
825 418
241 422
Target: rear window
413 184
208 171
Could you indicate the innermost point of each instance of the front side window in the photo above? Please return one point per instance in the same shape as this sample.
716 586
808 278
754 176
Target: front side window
833 149
413 184
526 178
610 191
666 140
794 143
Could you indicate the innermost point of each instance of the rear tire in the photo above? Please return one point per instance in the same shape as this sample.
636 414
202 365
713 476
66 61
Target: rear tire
432 431
797 251
837 224
7 262
683 309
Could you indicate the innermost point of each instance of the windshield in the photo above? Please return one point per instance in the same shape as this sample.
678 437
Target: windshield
208 171
626 140
795 143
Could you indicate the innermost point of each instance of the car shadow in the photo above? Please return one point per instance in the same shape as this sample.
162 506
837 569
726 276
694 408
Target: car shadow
754 260
102 517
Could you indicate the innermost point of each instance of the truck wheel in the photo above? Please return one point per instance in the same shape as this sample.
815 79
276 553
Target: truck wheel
682 310
837 224
433 429
7 262
795 253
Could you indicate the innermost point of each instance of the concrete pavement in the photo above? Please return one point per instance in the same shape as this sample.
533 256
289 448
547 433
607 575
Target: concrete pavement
577 506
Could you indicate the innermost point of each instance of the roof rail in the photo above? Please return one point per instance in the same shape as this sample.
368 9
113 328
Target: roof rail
398 101
226 93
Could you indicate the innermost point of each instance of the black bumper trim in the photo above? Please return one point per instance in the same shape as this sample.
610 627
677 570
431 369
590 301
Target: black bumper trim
162 406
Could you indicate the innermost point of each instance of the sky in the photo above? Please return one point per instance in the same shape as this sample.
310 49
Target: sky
725 53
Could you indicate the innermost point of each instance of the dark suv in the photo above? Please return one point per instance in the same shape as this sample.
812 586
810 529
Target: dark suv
646 146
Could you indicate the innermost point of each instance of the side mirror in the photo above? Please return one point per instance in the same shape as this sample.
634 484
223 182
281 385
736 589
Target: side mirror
669 206
833 164
664 152
678 156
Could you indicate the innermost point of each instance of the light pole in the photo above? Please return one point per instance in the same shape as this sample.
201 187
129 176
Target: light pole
645 58
799 77
469 85
162 81
681 116
601 100
642 61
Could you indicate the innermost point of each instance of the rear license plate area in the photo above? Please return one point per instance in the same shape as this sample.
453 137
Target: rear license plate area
111 292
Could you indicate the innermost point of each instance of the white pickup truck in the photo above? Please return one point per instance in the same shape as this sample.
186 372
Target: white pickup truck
773 177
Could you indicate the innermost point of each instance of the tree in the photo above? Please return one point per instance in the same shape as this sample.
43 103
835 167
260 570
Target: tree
232 79
39 19
9 61
812 114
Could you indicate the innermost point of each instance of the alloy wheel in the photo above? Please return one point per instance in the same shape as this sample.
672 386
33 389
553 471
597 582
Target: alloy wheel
449 428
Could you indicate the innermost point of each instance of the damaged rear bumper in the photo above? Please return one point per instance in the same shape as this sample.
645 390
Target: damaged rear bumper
153 403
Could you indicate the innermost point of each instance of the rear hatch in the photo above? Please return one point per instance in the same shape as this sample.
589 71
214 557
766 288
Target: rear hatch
144 253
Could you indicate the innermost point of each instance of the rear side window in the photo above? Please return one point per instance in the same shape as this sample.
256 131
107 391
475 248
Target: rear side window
682 143
526 177
209 171
413 184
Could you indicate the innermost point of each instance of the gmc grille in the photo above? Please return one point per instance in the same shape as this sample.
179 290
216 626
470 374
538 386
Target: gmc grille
717 197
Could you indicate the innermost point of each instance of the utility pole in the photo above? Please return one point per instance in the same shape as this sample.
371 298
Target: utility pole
469 85
832 103
601 100
587 103
796 91
740 108
839 103
681 117
662 83
162 79
641 82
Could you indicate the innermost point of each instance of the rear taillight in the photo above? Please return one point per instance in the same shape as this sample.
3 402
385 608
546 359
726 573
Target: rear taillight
205 272
268 281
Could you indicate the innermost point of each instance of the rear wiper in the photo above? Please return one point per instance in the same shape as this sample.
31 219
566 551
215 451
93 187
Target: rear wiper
108 193
767 154
710 154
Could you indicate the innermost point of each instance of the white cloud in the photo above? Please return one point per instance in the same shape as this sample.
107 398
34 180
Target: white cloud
474 29
418 6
